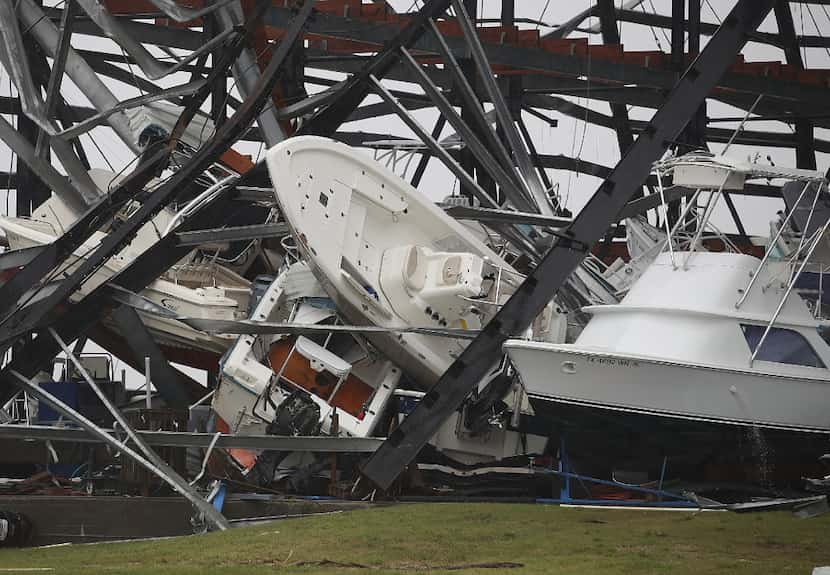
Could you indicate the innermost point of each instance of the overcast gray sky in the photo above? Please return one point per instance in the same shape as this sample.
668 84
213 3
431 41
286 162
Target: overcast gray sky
572 137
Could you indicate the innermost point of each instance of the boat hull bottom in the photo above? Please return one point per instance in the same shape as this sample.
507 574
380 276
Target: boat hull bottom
602 442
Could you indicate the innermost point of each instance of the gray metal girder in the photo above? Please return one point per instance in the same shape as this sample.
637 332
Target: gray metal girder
315 444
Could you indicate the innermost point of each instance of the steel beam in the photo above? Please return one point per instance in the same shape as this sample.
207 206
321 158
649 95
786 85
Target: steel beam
164 472
39 167
805 152
520 154
311 444
219 91
17 60
472 109
12 106
565 256
463 177
470 113
165 377
356 88
514 89
619 112
235 234
662 21
168 36
246 73
488 215
32 190
172 94
471 141
103 66
53 87
79 318
534 155
678 33
44 31
422 163
695 132
651 201
178 183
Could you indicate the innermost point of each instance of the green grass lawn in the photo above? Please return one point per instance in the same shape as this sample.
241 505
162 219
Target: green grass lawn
462 538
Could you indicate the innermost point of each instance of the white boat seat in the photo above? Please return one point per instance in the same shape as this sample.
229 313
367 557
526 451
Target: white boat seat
415 273
320 358
434 284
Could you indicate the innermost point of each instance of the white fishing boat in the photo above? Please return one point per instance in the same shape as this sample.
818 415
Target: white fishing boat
298 383
192 288
677 346
705 346
336 373
385 254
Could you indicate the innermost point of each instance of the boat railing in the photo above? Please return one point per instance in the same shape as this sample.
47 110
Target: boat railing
814 241
17 409
217 170
265 396
595 264
200 200
496 289
289 246
797 263
700 217
55 232
395 156
814 297
691 214
785 224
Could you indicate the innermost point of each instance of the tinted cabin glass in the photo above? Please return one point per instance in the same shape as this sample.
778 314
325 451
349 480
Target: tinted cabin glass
781 346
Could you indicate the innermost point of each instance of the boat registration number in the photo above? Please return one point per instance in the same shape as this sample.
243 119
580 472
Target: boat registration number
612 362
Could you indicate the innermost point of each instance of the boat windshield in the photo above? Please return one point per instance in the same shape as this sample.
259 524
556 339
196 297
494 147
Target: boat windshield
781 346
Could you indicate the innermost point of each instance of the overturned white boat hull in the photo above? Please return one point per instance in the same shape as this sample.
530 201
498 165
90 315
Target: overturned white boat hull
384 253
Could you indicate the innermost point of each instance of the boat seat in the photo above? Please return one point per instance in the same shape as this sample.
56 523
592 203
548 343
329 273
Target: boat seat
320 358
415 272
434 283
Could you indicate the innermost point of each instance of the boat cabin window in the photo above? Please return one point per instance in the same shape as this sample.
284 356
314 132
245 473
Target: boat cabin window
824 332
781 346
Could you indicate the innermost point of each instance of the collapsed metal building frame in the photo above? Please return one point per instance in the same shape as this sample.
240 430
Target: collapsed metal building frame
463 66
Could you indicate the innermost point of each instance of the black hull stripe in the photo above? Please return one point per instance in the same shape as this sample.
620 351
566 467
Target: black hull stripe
673 415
